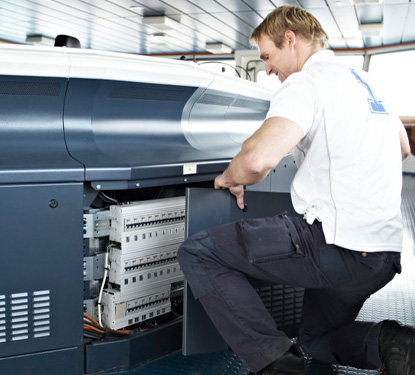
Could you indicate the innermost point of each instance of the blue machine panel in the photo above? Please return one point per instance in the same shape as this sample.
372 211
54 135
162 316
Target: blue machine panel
114 127
206 208
41 281
134 130
31 131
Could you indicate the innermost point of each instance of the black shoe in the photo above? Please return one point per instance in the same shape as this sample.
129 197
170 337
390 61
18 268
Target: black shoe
290 363
397 348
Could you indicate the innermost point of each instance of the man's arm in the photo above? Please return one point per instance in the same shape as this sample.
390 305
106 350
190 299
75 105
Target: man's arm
259 154
405 147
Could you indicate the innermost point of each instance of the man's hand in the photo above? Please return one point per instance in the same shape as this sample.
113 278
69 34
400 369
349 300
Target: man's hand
236 190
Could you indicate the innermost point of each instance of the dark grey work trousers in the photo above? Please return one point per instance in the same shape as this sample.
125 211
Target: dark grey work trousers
286 250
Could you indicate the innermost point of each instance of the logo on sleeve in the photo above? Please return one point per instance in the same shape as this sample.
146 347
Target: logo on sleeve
376 106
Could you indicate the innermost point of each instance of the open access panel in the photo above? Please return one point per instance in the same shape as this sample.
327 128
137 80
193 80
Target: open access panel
207 208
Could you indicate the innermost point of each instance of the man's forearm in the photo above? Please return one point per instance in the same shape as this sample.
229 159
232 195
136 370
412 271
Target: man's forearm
239 172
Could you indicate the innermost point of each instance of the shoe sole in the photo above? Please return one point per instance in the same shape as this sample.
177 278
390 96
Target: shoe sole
397 366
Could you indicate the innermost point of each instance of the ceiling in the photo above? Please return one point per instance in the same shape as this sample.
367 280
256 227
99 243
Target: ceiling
118 25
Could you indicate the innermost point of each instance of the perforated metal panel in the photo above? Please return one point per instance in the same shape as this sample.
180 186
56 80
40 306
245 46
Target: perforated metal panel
31 88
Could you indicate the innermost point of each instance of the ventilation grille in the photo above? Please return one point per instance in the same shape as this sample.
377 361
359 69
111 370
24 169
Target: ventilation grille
30 88
284 303
251 104
2 318
165 94
24 316
215 100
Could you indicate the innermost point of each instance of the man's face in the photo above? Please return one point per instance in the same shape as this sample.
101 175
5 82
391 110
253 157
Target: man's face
278 61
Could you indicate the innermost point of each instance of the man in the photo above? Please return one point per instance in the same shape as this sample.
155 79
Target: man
348 149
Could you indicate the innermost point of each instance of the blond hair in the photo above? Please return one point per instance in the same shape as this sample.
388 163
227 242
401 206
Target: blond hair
289 17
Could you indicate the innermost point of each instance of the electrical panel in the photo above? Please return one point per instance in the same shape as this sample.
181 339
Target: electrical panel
142 259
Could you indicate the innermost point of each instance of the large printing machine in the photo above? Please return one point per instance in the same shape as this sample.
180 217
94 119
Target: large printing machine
80 130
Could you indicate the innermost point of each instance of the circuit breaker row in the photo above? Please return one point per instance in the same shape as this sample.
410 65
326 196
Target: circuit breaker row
119 313
144 263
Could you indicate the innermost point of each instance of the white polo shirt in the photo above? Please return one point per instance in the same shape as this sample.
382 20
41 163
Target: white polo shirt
349 161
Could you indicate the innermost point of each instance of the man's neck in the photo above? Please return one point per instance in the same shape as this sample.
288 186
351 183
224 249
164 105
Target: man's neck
308 50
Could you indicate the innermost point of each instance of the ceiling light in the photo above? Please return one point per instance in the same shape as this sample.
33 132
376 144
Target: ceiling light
158 38
40 39
161 23
137 9
367 2
371 29
346 39
218 48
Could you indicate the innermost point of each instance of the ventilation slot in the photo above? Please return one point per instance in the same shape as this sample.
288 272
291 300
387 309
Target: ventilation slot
157 94
2 318
29 88
215 100
246 103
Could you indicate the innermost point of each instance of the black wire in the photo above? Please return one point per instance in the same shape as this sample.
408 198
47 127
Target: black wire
233 67
245 70
107 331
93 335
108 199
219 62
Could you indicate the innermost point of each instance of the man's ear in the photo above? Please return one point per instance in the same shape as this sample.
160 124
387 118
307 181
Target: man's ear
290 38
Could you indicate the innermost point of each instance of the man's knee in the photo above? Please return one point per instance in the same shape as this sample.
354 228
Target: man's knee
193 248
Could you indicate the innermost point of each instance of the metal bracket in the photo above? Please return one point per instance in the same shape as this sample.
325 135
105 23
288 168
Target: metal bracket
97 224
94 267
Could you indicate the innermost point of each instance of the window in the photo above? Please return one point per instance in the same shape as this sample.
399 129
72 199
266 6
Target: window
394 71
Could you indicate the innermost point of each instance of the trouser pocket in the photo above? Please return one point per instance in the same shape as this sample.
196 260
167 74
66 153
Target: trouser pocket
270 239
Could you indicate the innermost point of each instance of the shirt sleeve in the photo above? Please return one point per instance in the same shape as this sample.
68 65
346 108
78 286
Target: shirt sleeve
295 100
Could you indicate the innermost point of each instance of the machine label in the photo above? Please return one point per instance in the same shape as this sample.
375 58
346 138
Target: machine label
190 168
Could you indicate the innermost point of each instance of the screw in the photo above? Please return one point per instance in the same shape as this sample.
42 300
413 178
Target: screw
53 203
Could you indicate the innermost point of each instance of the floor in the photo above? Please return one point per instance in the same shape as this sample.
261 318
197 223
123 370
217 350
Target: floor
395 301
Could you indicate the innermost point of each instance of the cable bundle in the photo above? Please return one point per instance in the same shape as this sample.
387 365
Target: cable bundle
93 330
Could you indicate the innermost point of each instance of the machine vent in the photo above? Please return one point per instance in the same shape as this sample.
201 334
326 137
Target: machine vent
215 100
30 88
2 318
138 93
24 316
284 303
254 104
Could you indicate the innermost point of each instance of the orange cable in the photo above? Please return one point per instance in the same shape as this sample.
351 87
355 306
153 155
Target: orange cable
91 319
87 326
